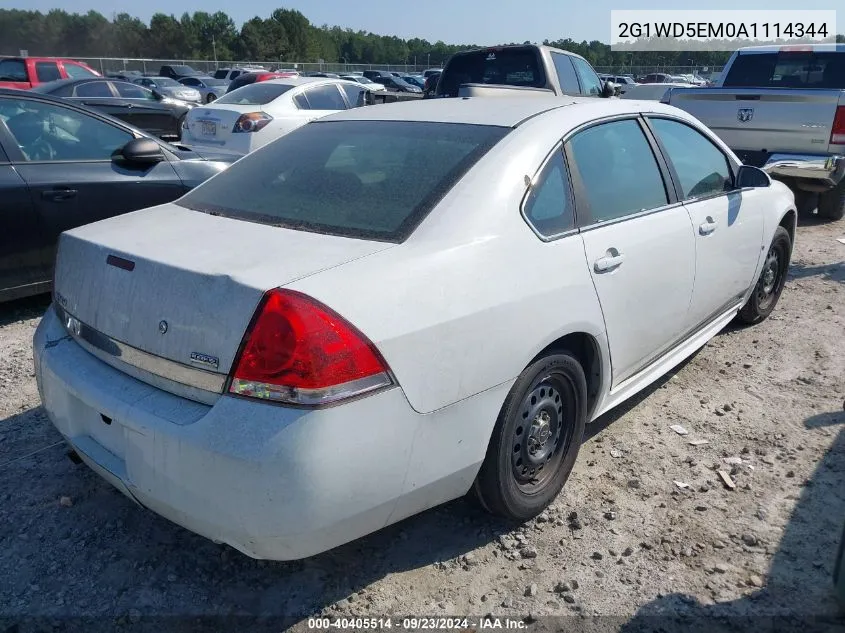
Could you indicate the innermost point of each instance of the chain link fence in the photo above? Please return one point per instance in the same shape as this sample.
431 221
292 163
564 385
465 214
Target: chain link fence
151 66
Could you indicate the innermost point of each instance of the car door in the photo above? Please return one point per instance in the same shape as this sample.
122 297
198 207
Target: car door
637 239
101 96
21 240
64 155
145 110
727 223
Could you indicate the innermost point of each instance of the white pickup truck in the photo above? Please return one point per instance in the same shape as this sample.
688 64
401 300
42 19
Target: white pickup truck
782 108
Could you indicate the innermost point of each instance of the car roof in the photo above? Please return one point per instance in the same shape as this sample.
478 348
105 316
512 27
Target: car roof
503 111
302 81
796 48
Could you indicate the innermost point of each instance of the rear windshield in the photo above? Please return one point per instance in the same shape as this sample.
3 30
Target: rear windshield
367 179
509 66
788 70
184 70
255 94
12 70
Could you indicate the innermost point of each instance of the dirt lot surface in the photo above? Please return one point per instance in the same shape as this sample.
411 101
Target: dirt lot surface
645 527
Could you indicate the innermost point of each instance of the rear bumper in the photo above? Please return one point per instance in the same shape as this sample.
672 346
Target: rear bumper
273 482
823 169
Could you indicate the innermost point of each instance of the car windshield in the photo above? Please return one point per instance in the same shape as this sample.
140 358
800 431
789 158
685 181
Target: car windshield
824 70
254 94
165 82
365 179
505 66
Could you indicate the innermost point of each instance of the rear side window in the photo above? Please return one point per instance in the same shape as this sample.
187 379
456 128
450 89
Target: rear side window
566 74
12 70
75 71
511 67
788 70
325 98
47 71
254 94
548 206
618 172
93 89
590 82
701 167
365 179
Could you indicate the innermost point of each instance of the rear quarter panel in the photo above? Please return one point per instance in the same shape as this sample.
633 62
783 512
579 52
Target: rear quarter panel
474 295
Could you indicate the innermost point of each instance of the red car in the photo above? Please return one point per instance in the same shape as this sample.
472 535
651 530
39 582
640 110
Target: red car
27 72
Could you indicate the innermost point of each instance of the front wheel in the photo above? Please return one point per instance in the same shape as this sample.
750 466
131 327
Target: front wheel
536 439
211 97
770 284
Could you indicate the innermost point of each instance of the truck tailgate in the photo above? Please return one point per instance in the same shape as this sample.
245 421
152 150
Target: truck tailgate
764 119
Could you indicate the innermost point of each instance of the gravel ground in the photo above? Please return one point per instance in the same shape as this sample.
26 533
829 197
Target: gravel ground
644 529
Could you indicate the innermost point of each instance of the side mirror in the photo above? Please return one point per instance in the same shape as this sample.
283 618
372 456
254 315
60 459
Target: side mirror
141 151
158 96
749 176
609 89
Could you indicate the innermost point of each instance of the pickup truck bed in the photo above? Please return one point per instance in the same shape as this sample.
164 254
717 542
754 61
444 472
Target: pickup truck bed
782 109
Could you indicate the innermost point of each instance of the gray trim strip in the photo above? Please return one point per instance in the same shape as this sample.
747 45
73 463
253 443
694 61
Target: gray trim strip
115 353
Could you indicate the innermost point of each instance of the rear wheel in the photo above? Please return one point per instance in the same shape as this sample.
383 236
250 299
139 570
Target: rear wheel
805 201
536 439
771 281
832 202
179 124
211 97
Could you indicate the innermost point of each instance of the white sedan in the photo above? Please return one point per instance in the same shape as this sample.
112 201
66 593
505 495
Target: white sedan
253 115
276 362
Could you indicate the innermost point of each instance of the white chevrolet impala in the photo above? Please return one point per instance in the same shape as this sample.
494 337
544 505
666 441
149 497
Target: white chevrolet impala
397 305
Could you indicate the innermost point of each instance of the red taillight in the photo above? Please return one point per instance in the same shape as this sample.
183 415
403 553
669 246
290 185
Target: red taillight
837 133
299 351
251 122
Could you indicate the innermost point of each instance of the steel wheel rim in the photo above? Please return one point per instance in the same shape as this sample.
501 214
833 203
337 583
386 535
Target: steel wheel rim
542 433
770 279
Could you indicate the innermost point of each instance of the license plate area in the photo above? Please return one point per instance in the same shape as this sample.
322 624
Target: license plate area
107 432
208 128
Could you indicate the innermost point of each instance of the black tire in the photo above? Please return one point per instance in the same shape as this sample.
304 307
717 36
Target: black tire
536 439
832 202
806 201
179 126
210 97
770 284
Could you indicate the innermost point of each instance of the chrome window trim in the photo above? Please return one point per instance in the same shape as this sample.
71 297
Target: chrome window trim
116 353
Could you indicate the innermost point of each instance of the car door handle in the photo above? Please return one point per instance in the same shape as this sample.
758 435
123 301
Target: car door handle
58 195
706 228
611 261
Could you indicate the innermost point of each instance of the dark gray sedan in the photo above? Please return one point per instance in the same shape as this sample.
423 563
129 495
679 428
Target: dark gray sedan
62 166
209 88
170 88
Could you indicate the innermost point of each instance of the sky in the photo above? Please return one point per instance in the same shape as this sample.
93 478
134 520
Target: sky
480 22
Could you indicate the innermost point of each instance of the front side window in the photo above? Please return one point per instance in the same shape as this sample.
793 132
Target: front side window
566 73
354 94
618 172
49 132
363 179
131 91
47 71
701 167
590 82
98 89
76 71
13 70
548 206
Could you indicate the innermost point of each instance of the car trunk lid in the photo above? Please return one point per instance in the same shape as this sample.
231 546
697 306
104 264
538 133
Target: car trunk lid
183 285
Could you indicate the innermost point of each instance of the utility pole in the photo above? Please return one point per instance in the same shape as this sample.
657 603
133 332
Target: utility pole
214 48
428 65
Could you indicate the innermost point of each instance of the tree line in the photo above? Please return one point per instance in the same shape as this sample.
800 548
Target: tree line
286 35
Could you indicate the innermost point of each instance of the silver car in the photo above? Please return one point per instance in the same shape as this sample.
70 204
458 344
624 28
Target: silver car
208 87
170 88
